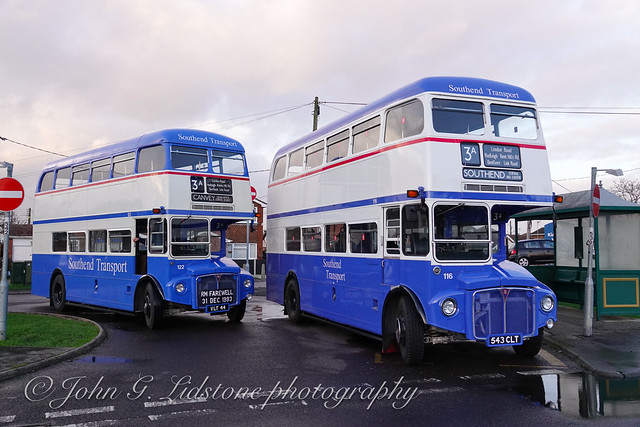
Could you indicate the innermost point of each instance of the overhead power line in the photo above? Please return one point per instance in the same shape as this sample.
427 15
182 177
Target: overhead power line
32 147
271 113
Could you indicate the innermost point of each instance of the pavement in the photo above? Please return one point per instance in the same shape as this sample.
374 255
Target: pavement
612 351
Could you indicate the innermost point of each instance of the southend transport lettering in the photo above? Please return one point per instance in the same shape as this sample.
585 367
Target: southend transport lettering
340 277
481 91
97 264
212 140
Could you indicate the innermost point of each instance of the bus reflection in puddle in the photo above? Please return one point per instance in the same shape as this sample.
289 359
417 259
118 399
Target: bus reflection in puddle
584 395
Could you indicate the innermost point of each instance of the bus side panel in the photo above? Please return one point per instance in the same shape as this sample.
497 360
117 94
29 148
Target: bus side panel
40 276
89 279
346 290
275 278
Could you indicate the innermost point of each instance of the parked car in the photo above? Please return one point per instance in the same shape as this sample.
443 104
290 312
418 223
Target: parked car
535 251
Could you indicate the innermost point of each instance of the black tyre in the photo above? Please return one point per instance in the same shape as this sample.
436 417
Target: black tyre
152 307
235 314
523 261
58 294
292 300
530 347
409 331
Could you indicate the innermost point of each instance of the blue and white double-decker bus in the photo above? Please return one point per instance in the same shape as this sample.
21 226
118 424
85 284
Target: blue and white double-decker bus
392 220
139 226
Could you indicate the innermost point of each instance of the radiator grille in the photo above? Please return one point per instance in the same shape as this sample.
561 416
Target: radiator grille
503 311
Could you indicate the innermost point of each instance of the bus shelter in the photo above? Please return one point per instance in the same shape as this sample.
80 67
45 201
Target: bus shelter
616 275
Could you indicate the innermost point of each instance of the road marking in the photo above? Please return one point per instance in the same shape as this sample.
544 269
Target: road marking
482 376
170 402
529 366
542 372
7 419
286 402
95 423
551 359
442 390
181 413
74 412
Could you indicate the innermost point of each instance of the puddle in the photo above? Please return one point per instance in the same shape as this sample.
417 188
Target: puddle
266 312
102 359
584 395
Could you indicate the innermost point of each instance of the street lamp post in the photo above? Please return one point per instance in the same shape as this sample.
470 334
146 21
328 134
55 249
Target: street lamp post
588 283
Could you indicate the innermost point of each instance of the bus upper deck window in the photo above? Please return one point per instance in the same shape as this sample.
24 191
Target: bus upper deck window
337 146
459 117
227 163
100 170
314 154
295 162
80 174
189 158
404 120
123 164
151 158
46 183
63 178
279 168
366 135
511 121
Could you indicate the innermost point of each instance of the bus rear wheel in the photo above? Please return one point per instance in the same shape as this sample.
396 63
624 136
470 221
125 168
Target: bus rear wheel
292 300
152 307
409 332
58 293
530 347
235 314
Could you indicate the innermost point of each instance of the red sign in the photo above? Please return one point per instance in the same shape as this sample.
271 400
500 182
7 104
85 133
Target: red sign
11 194
254 194
596 201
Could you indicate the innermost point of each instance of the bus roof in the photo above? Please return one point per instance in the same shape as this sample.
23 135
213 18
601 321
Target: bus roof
192 137
447 85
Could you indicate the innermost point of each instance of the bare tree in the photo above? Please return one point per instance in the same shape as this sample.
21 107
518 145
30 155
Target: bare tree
628 189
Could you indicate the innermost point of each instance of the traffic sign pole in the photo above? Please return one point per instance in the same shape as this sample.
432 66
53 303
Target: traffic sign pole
4 284
588 283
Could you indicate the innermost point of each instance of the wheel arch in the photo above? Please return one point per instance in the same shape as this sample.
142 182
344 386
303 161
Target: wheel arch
55 273
138 297
290 275
390 302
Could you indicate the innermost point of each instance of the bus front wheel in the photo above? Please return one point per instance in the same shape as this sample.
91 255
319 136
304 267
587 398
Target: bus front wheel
409 331
235 314
292 300
530 347
58 293
152 307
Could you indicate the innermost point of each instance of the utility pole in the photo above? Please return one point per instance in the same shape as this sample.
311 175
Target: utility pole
4 284
316 112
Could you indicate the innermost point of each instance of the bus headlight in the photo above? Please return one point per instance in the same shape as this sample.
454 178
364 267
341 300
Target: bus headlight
546 303
180 288
449 307
247 283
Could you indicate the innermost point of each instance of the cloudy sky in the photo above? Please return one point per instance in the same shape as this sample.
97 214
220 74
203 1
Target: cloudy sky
76 74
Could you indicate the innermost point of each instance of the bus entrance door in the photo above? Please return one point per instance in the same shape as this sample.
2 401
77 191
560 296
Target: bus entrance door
141 239
391 254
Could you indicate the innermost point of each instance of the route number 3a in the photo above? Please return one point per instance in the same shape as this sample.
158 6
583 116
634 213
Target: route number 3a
470 153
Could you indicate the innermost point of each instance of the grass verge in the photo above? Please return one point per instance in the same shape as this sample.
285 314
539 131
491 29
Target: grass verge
35 330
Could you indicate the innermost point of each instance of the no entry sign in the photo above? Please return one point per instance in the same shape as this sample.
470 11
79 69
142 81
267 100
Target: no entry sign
11 194
596 201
